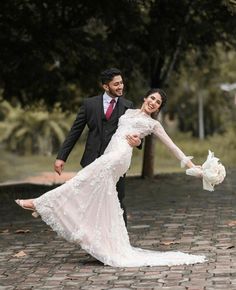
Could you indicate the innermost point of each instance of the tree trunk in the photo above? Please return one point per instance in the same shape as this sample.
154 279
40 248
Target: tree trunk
201 129
160 74
148 157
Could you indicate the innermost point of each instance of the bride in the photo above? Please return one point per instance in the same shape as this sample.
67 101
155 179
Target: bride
85 210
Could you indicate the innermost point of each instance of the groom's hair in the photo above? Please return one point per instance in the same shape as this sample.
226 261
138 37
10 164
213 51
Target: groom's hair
161 93
108 75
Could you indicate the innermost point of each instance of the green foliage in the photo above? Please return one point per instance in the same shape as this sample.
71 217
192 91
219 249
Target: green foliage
203 77
54 50
33 130
231 4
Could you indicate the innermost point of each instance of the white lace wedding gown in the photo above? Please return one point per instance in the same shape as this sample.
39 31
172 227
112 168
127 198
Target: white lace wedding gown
86 210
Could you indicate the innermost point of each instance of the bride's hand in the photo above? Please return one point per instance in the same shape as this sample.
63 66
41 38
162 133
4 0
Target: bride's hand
198 170
190 164
133 140
198 166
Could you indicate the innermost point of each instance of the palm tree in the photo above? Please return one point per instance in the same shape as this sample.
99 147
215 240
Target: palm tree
33 131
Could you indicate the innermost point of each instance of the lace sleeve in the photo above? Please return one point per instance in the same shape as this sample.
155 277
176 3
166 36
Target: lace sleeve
162 135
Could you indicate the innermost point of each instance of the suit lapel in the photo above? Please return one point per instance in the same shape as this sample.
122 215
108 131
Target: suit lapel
122 106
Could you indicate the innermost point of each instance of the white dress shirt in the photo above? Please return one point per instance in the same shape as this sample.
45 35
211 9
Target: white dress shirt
106 102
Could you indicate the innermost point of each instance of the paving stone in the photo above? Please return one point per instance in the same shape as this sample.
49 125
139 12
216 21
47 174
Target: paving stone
220 287
145 285
149 277
128 274
96 287
169 288
124 282
196 287
119 288
106 270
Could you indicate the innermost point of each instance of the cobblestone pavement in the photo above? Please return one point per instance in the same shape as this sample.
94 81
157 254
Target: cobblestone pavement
171 212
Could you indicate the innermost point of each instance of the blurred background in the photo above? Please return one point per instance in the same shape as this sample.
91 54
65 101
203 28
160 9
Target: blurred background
52 53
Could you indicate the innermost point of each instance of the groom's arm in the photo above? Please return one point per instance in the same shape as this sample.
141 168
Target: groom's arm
73 135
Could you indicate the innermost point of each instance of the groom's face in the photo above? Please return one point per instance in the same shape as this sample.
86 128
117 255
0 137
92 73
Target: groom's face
115 87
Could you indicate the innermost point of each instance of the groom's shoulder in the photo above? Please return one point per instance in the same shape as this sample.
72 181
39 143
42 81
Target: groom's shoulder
92 99
126 102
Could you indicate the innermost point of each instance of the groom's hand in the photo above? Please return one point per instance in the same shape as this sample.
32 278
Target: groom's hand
133 140
59 166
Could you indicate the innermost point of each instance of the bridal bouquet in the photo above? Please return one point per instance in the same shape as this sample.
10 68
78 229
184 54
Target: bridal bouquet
212 172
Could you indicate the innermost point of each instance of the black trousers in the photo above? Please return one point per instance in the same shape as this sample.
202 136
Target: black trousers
120 186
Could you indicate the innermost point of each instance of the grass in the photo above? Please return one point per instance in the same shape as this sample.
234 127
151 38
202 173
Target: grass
15 167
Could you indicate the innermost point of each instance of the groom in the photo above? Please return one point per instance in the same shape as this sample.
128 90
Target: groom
100 114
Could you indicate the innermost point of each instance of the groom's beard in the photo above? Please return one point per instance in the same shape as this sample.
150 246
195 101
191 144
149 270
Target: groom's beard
115 93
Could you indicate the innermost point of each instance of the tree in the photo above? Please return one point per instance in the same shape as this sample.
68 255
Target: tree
46 49
204 79
55 50
33 130
231 4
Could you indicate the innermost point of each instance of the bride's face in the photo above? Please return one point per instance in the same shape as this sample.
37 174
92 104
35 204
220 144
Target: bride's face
152 103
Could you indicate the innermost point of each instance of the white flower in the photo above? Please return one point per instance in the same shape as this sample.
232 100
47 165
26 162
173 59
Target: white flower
212 172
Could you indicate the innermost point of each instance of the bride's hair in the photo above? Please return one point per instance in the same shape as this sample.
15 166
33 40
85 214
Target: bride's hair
161 93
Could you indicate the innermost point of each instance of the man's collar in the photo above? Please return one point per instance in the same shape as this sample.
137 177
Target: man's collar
107 98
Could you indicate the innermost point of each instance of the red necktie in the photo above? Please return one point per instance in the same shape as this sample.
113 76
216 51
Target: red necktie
110 109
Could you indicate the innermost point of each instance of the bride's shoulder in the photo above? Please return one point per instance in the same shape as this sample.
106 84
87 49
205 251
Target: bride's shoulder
130 111
156 124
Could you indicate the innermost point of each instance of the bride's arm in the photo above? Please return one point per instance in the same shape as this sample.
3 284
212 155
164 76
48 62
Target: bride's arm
162 135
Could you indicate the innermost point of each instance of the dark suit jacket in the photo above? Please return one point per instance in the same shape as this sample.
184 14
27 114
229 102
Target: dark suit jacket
90 114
